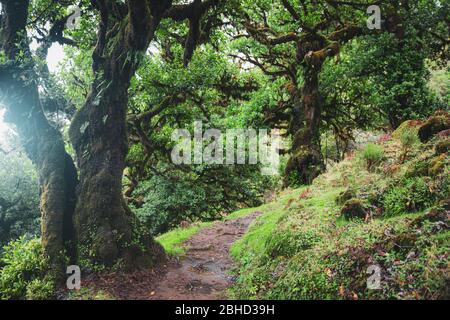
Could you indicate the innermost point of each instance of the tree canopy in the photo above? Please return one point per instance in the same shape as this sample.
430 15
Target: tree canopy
98 130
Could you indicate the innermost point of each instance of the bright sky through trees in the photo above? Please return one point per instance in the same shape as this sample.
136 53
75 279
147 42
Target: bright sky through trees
54 57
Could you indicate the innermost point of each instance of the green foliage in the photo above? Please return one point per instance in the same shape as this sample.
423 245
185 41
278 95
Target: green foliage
407 195
40 289
239 79
23 272
372 154
201 195
168 194
287 243
19 193
440 83
398 74
409 139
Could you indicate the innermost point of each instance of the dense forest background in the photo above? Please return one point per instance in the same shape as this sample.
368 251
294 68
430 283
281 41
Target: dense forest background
85 160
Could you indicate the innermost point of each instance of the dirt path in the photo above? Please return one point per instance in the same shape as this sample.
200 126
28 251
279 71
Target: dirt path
202 273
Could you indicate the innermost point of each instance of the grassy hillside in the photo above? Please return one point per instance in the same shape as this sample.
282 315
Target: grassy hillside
387 207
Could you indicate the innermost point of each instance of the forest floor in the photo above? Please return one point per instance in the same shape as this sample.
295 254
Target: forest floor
201 272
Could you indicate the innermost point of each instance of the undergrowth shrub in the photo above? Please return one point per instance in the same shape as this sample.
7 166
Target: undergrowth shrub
372 154
409 139
40 289
409 195
23 275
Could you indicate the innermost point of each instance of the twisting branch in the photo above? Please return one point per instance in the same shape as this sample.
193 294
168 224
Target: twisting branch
260 35
261 66
193 12
290 9
146 116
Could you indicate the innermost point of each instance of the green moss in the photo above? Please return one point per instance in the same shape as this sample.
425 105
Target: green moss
437 165
442 146
434 125
345 196
408 125
354 209
259 232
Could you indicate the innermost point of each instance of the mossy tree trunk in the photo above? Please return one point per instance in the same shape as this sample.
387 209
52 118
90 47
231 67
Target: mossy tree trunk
42 142
107 231
306 161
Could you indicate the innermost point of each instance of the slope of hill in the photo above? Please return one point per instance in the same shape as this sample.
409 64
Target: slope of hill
374 226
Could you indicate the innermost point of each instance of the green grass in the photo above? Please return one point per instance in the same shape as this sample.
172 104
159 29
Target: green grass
172 241
242 213
275 213
259 231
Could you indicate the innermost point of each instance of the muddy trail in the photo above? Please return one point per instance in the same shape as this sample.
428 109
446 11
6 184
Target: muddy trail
202 273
